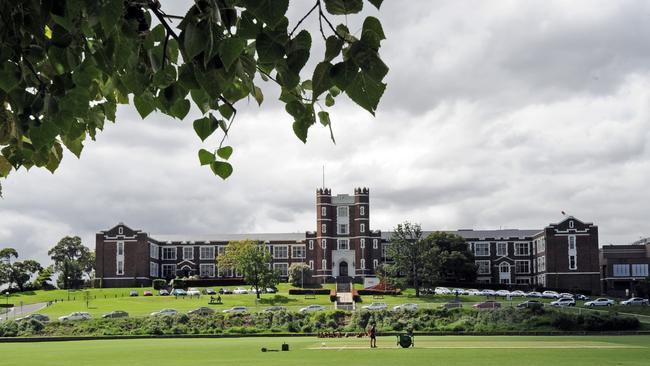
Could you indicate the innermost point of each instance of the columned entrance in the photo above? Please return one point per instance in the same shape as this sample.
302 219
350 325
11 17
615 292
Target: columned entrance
343 269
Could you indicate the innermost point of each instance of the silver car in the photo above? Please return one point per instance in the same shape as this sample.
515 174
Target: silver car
635 301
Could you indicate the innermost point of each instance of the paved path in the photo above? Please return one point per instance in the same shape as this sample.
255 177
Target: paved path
18 311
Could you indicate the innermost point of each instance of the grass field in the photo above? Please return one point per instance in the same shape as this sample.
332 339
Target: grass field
449 350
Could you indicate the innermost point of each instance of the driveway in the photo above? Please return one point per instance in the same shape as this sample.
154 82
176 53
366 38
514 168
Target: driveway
18 311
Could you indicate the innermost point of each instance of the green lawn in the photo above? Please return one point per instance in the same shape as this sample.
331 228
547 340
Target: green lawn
449 350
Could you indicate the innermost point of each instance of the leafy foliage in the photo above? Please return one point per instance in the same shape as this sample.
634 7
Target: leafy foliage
71 259
298 272
17 273
66 65
253 261
411 256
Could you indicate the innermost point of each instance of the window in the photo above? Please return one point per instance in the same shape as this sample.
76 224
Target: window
343 229
363 264
523 281
297 251
572 242
188 253
541 244
323 211
323 228
168 270
153 269
541 263
483 267
225 272
323 264
640 270
522 266
323 243
169 253
280 252
572 262
221 250
344 244
206 270
120 230
504 267
311 265
363 243
283 268
522 249
120 248
311 245
362 210
362 228
482 249
571 224
206 253
375 243
120 267
153 251
342 211
621 270
375 264
383 250
572 253
502 249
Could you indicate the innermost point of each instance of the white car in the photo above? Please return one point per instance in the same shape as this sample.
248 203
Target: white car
164 312
600 302
442 291
236 309
534 294
566 294
550 295
458 291
376 306
503 293
240 291
407 306
473 292
312 308
517 293
565 301
75 316
193 291
270 290
635 301
488 292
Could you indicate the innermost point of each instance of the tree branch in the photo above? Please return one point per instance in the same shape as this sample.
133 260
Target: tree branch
155 8
305 17
322 15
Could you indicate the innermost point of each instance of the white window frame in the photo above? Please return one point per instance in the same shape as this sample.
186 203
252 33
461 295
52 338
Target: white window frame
363 263
375 243
302 253
342 211
482 263
362 210
323 243
277 252
375 264
342 229
343 244
173 269
502 249
311 244
203 249
362 228
519 246
120 230
153 269
120 267
120 248
621 270
639 270
283 267
323 211
187 250
311 264
153 251
206 267
221 250
363 243
168 249
323 228
482 246
573 252
323 264
571 225
527 266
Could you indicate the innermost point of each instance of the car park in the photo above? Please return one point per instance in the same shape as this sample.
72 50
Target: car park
40 317
147 293
488 292
442 291
635 301
79 315
376 306
116 314
179 292
550 295
517 293
164 312
201 311
452 305
312 308
534 294
490 304
236 309
225 291
503 293
240 291
407 306
565 301
193 291
531 304
163 292
275 309
209 291
600 302
133 293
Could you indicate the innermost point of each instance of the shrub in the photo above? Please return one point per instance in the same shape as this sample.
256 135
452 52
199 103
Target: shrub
298 272
314 291
178 283
159 284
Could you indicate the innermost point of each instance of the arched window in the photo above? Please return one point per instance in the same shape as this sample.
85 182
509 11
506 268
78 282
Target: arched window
504 267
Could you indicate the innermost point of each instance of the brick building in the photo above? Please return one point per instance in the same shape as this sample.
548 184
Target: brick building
562 255
622 266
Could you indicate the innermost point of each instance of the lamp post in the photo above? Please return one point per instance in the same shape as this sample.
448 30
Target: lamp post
68 278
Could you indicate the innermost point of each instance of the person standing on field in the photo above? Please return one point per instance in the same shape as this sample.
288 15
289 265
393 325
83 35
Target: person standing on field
372 333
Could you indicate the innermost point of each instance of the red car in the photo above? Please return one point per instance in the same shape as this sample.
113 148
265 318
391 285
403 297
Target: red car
147 293
487 305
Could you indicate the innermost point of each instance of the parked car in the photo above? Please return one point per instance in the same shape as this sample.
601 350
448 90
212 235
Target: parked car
179 292
581 297
253 290
79 315
487 305
40 317
236 309
534 294
225 291
376 306
312 308
458 291
503 293
518 293
116 314
209 291
163 292
531 304
147 293
133 293
407 306
488 292
442 291
201 311
566 294
165 312
240 291
565 301
193 291
600 302
550 295
473 292
635 301
452 305
274 309
270 290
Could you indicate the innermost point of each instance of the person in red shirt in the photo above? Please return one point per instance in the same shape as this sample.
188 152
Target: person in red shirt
372 333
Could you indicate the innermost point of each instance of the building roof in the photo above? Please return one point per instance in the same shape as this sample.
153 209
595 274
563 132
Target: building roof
230 237
471 234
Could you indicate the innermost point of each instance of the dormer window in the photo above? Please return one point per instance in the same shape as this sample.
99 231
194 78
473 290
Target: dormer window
120 230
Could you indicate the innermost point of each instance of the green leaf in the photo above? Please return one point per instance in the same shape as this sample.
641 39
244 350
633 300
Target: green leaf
164 77
9 76
247 29
206 157
204 127
270 12
333 46
298 51
230 49
54 157
201 99
300 129
372 32
324 118
222 169
225 152
366 92
144 103
180 108
110 14
75 146
43 135
342 7
296 109
259 96
376 3
321 80
186 76
5 167
368 60
194 39
268 50
343 73
329 100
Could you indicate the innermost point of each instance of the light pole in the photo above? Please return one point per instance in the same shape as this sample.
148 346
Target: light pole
68 278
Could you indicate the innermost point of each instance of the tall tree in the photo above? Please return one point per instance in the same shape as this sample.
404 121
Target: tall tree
71 259
455 262
411 255
7 253
65 66
253 261
21 272
44 278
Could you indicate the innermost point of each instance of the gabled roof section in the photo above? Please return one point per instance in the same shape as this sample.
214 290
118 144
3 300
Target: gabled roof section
115 230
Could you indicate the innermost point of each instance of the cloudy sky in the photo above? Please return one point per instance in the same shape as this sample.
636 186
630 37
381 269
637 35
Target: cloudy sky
498 114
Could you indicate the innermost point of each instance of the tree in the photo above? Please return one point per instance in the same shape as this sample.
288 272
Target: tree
298 272
7 253
253 261
44 278
411 256
71 260
20 273
67 64
455 262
